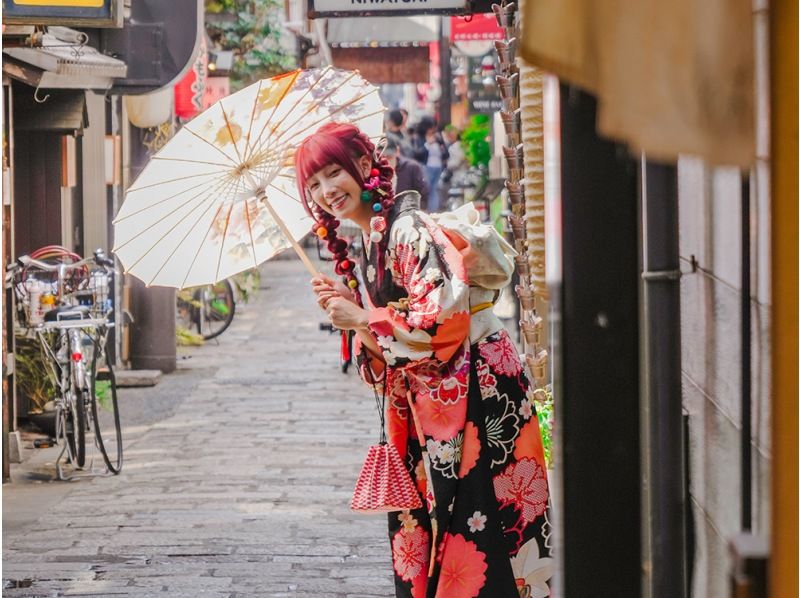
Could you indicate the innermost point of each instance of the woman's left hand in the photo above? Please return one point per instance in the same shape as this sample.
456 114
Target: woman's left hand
346 315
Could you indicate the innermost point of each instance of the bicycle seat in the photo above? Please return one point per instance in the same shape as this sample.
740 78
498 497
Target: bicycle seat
67 312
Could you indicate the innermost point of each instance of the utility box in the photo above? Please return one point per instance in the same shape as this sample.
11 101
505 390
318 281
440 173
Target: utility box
152 333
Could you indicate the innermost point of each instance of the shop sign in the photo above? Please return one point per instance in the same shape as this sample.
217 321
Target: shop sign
482 93
87 13
478 27
373 8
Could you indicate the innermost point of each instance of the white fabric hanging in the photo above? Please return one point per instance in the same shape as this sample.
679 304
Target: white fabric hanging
671 77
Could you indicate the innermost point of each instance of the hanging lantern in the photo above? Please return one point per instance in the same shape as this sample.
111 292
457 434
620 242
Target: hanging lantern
189 90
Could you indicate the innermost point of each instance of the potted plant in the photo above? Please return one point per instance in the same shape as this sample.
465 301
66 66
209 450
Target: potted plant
543 397
34 382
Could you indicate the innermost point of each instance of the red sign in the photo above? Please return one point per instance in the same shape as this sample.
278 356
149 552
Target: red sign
480 27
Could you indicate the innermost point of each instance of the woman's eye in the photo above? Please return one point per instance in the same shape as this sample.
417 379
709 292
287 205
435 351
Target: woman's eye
335 172
313 186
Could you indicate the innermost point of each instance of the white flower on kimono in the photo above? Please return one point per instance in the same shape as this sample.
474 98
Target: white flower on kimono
408 521
534 571
447 453
477 523
371 273
412 345
433 448
526 409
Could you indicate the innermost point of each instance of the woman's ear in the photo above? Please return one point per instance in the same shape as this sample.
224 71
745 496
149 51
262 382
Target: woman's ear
365 164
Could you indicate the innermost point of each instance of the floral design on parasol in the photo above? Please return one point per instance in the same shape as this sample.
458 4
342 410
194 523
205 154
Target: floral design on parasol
220 197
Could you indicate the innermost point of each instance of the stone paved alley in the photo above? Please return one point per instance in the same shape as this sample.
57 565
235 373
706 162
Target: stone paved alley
242 490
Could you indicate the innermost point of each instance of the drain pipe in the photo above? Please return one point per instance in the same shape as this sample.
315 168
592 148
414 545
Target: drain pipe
664 493
746 432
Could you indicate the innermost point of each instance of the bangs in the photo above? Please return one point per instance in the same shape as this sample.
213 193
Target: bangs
318 151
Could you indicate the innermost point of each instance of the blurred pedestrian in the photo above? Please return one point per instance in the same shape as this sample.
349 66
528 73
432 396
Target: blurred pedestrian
408 174
395 131
458 407
435 161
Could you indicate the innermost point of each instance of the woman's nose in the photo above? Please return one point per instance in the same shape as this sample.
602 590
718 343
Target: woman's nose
328 190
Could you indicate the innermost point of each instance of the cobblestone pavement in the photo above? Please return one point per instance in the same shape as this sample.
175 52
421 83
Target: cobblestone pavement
242 491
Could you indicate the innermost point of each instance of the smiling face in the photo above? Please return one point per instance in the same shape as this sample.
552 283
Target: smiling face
334 190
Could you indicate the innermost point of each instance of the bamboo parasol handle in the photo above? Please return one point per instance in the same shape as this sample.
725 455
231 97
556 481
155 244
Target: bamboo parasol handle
262 197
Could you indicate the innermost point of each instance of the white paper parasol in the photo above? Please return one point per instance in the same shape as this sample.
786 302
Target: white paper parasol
220 197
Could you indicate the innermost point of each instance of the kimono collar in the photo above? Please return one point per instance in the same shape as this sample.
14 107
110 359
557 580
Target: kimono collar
404 202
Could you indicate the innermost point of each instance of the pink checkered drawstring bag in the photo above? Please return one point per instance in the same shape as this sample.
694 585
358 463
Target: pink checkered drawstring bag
384 483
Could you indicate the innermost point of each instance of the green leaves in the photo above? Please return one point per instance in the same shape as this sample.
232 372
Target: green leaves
251 29
543 398
474 140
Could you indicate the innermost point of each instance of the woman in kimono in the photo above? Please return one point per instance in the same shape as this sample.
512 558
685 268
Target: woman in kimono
459 408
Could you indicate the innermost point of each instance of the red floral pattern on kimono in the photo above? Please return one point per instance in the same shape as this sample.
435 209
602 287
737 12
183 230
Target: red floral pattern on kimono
460 416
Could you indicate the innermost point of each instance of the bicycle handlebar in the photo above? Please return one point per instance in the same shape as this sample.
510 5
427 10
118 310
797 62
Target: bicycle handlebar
98 258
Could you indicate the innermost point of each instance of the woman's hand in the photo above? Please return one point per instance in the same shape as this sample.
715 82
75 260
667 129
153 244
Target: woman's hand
346 315
324 286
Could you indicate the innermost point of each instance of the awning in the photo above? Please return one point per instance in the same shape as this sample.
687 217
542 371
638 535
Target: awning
64 111
60 65
354 32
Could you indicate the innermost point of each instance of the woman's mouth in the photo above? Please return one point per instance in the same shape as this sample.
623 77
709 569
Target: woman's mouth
338 203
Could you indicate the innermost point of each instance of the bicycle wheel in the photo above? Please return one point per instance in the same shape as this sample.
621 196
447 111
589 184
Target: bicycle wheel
105 416
75 430
217 308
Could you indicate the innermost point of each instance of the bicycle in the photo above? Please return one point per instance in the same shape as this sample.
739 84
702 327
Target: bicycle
67 307
207 309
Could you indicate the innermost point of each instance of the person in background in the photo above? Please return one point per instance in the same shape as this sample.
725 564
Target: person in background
456 165
408 174
457 161
435 161
394 131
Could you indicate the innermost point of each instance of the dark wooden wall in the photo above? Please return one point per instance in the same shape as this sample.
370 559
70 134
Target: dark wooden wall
37 190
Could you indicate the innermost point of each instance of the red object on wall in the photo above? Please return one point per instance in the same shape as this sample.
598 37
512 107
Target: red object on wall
480 27
189 90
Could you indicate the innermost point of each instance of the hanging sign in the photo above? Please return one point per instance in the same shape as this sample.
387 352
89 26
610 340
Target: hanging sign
88 13
375 8
480 27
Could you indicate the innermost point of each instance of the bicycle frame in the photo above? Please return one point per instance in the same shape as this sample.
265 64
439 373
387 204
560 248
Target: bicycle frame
67 368
63 342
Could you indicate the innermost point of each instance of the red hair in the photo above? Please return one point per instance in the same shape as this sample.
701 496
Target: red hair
343 144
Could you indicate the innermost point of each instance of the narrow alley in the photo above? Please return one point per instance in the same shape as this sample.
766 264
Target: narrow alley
242 491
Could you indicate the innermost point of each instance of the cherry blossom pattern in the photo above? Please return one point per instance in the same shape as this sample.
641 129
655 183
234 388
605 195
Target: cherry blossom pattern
501 355
524 486
526 409
446 456
407 520
463 568
502 430
486 379
410 552
476 523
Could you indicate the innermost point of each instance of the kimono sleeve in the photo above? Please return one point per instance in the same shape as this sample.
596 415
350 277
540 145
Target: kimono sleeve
431 323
